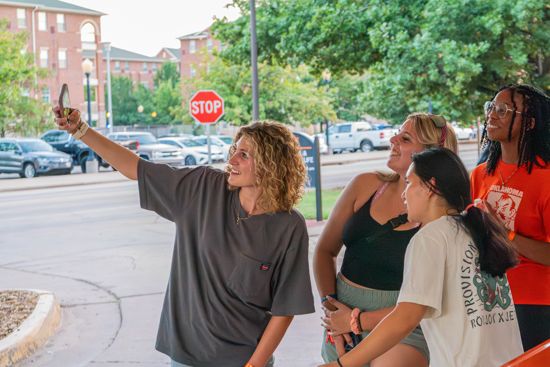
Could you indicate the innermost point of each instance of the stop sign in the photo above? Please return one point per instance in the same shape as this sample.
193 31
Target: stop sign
206 106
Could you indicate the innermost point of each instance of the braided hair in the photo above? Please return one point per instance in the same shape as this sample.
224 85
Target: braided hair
533 142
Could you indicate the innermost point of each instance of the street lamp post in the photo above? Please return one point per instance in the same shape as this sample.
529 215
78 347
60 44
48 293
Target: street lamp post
91 164
107 48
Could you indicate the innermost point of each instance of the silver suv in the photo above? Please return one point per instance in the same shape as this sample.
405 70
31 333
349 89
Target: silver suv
149 148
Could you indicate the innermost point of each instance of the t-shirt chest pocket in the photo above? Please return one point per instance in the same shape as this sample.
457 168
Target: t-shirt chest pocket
250 281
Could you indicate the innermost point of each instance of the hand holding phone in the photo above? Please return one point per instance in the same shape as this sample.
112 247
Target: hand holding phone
64 101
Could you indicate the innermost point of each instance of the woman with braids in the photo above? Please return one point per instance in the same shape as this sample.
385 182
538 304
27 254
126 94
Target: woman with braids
454 281
240 263
515 183
369 219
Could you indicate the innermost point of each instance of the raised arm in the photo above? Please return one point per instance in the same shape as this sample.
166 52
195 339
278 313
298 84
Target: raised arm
119 157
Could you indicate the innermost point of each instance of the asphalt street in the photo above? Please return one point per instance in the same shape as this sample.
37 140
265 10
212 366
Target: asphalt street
107 261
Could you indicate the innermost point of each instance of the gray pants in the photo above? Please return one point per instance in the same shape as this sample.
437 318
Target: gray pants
370 300
269 363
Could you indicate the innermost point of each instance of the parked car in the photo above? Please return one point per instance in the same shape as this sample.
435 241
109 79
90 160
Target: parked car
353 136
462 133
193 151
221 141
64 142
31 157
149 148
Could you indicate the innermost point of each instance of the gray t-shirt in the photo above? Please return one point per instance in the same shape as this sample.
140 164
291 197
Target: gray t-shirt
226 279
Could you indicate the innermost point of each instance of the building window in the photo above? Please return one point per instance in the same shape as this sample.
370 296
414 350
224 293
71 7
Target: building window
209 45
61 23
192 46
117 65
88 37
154 67
42 25
126 66
144 66
46 94
192 71
25 92
62 58
21 18
43 57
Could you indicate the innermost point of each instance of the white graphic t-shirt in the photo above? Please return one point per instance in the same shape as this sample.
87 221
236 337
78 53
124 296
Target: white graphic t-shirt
471 319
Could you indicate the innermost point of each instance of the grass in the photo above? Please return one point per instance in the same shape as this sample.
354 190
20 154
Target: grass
307 205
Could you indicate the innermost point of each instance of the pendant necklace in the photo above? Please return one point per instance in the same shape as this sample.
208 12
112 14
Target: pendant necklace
239 219
503 181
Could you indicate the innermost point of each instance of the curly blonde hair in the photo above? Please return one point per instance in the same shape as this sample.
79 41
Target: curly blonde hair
280 169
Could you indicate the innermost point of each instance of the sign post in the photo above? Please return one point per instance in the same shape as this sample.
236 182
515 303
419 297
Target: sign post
206 107
309 149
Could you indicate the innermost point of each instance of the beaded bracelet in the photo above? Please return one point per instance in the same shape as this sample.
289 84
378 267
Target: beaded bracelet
355 321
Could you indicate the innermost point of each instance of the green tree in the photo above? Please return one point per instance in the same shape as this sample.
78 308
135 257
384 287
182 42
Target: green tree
452 53
18 113
289 95
167 72
167 102
125 104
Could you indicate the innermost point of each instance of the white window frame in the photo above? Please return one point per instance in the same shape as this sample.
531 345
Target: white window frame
42 21
144 67
62 61
209 45
117 65
21 18
44 62
46 95
126 66
61 25
192 46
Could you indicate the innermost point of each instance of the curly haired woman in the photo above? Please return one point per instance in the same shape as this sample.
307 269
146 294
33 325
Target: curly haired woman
240 263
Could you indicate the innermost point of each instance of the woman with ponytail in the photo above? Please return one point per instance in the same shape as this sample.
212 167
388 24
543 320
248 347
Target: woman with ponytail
454 281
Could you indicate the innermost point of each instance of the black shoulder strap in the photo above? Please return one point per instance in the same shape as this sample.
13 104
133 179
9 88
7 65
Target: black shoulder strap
389 226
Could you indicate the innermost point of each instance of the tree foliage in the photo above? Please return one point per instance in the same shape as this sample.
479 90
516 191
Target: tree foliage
161 106
19 114
452 53
289 95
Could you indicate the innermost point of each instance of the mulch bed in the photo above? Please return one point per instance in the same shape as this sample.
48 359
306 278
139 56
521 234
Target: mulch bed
15 307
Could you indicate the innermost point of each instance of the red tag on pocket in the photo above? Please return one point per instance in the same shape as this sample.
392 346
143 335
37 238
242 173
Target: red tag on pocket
265 267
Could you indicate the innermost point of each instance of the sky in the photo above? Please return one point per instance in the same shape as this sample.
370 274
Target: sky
147 26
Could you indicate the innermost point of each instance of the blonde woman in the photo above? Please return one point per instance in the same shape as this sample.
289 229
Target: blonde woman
370 219
240 263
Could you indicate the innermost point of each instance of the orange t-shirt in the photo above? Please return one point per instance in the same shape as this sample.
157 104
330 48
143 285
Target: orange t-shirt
523 205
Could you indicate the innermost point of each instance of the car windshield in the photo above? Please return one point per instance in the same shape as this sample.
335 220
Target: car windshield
226 139
190 143
35 146
144 139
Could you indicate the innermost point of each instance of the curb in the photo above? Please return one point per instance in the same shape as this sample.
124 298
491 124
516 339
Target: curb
33 332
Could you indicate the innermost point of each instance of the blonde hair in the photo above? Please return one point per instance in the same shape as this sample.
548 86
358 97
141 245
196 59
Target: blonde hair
429 135
280 169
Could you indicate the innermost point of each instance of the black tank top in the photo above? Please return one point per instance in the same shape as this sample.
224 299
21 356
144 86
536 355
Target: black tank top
374 263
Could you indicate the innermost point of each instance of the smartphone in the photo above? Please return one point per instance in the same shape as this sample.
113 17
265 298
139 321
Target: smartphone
64 100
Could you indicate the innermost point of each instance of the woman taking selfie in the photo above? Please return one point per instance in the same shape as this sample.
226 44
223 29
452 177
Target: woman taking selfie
240 263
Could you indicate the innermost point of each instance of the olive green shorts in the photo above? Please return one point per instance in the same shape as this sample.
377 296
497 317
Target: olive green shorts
370 300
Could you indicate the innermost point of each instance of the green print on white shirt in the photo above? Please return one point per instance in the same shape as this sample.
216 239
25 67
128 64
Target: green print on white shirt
487 299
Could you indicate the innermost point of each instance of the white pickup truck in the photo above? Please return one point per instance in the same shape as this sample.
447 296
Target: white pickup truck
353 136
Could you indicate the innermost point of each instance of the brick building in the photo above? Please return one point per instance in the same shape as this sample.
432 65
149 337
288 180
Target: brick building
170 54
61 36
139 68
195 52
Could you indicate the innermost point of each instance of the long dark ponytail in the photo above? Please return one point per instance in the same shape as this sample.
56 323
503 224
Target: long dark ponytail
445 174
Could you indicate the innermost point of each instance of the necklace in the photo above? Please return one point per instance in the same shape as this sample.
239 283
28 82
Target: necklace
239 219
503 181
